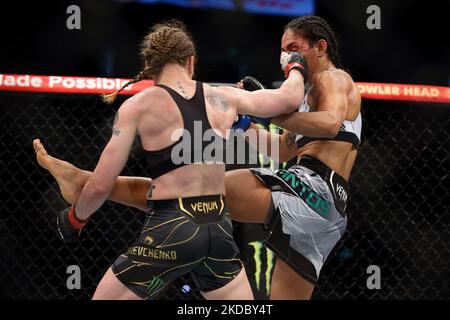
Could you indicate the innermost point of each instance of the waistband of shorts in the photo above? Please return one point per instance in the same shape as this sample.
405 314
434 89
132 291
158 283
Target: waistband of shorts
178 203
201 209
338 186
318 167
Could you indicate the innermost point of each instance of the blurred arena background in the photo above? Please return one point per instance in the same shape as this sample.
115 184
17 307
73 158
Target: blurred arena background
399 216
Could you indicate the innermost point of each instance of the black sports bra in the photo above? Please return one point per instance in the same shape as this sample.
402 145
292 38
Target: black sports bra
182 152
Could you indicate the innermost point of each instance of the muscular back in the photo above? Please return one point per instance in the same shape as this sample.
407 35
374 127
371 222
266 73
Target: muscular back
161 118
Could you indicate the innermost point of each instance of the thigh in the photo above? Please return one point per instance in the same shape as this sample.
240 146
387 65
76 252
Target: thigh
247 198
221 274
237 289
110 288
289 285
169 246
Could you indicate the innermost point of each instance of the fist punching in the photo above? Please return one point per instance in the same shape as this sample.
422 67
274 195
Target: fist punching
243 121
294 60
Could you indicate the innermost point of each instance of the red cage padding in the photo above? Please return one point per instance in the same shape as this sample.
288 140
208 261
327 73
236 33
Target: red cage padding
97 85
63 84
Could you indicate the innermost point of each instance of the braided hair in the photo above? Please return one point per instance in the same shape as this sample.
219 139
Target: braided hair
314 28
167 42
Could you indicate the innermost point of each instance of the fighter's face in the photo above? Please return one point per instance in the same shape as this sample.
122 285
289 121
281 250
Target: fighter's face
294 42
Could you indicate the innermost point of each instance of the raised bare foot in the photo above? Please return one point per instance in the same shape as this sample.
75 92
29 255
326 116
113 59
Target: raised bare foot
69 178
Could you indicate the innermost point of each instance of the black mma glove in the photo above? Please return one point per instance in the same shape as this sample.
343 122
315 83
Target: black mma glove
69 226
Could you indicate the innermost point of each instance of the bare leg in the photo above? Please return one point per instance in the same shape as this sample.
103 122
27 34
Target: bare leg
237 289
69 178
247 198
131 191
288 285
110 288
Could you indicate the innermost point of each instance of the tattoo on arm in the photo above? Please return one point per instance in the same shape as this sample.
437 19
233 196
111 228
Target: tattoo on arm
150 191
218 101
116 132
290 140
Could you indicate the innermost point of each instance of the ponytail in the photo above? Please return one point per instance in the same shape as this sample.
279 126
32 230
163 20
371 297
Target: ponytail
111 97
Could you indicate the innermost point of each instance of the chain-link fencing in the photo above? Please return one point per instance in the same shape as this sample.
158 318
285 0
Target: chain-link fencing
398 211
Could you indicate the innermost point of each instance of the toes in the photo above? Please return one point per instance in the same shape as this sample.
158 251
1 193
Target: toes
35 145
40 150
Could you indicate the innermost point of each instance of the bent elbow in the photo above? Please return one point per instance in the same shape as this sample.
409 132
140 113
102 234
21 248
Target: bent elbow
332 129
292 104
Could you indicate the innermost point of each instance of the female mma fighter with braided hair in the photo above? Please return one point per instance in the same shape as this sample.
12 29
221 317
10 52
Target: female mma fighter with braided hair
305 206
177 237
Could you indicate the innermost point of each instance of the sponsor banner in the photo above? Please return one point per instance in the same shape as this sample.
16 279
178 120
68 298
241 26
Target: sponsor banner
404 92
63 84
98 85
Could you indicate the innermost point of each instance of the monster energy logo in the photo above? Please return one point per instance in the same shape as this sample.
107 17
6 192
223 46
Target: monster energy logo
258 245
257 256
154 285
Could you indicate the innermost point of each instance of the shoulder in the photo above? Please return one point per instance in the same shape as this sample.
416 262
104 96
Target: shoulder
337 81
222 90
221 98
148 95
145 100
218 95
213 91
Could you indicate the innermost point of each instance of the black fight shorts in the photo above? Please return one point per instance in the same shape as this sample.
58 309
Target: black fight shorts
180 236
